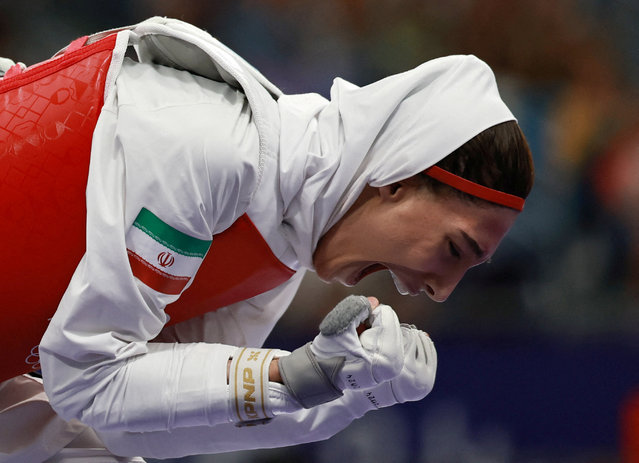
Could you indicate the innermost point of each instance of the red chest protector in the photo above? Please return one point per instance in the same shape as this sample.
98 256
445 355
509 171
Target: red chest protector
47 117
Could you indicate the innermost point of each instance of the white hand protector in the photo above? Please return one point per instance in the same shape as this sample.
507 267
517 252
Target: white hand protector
339 359
417 377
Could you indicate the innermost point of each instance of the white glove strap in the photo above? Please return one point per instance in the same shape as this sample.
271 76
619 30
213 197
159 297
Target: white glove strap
249 385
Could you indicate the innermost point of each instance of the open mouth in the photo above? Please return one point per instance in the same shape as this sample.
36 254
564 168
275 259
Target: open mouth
367 271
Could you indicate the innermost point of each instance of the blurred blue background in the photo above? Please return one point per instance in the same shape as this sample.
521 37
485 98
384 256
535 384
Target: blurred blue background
539 350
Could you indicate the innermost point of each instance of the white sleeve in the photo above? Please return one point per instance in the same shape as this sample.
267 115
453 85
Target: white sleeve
154 152
307 425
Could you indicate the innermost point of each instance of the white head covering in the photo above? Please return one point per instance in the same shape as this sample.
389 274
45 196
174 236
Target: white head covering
378 134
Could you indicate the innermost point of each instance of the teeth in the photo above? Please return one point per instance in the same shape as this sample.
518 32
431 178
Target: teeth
399 285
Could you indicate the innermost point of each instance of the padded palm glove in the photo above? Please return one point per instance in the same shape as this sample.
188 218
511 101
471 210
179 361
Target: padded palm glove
417 377
339 358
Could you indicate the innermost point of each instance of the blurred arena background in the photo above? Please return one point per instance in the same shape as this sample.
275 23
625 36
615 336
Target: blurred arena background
539 350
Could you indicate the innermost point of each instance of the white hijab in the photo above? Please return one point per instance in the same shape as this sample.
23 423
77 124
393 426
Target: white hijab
378 134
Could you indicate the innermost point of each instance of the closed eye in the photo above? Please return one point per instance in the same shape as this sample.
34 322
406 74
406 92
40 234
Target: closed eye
454 250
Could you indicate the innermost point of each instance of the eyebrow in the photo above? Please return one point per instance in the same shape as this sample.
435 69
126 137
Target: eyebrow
479 252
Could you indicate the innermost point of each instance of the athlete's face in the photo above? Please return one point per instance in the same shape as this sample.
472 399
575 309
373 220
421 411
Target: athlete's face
427 241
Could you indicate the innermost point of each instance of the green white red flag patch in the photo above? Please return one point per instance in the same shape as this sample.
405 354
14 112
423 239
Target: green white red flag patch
163 258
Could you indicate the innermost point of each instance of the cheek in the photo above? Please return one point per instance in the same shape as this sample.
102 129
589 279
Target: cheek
424 259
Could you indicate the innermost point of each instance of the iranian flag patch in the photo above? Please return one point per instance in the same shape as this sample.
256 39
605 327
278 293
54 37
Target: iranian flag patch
162 257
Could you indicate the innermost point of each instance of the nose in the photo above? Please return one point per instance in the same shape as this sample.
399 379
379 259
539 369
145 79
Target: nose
442 286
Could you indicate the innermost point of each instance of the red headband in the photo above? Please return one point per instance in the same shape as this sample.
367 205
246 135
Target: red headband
475 189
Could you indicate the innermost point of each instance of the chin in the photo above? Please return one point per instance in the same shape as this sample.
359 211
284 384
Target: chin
323 276
329 278
327 281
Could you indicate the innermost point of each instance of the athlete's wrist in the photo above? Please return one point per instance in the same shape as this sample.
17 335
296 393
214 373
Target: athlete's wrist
274 371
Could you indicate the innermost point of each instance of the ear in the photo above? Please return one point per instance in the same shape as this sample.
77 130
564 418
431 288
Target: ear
393 192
